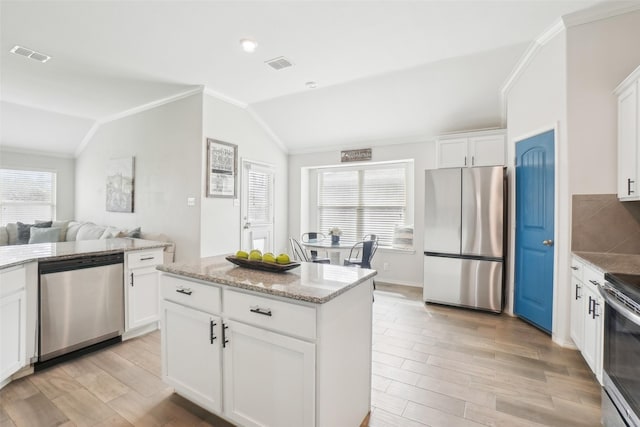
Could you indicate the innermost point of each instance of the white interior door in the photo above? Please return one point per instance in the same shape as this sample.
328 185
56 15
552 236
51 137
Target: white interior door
257 206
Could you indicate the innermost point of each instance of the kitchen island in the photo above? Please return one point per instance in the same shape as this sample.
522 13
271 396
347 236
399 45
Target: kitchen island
269 349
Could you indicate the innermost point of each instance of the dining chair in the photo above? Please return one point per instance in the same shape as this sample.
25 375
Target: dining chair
312 235
300 254
368 249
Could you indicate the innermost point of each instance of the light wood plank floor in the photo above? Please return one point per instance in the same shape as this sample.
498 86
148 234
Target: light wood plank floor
432 365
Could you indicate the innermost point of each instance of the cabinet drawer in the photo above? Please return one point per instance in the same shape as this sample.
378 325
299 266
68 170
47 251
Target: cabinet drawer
592 277
577 268
269 313
12 279
137 259
192 294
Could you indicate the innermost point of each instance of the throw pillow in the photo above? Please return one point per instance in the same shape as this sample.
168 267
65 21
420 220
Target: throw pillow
134 232
44 235
62 225
24 231
12 232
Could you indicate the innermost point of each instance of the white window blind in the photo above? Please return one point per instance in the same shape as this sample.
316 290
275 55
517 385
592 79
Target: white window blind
27 195
363 201
259 196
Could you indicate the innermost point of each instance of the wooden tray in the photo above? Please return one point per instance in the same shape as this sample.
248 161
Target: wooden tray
261 265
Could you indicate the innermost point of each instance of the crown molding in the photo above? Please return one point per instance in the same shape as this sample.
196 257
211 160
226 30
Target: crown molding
225 98
267 129
18 150
604 10
557 28
598 12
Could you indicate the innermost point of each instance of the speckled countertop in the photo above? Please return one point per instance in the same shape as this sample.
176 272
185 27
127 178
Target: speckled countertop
311 282
612 263
21 254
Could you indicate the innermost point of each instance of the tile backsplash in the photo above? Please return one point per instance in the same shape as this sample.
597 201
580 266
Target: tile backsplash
600 223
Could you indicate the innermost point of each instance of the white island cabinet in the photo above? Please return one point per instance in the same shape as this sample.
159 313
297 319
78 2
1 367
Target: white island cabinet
142 291
269 349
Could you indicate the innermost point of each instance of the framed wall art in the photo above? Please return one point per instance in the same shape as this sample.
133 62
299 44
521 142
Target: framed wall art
222 168
120 182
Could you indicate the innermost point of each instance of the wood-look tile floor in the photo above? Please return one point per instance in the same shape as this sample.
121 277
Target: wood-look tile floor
432 366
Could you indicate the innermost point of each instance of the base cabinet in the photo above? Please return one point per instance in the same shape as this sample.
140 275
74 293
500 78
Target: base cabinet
142 288
197 372
264 361
13 319
268 378
587 315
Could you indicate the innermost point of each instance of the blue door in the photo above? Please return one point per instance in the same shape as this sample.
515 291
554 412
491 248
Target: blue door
535 166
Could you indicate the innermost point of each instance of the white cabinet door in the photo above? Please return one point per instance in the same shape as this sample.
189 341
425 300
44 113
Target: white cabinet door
191 361
452 153
12 333
577 312
593 329
628 139
143 297
486 150
269 378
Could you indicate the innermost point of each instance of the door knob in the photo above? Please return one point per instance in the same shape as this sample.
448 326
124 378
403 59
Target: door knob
547 242
247 225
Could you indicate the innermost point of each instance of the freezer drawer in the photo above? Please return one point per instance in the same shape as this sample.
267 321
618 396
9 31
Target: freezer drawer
463 282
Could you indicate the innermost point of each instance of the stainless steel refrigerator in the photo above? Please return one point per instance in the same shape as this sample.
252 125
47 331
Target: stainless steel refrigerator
464 237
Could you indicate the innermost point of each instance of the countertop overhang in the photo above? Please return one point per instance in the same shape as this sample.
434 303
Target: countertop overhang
13 255
612 262
311 282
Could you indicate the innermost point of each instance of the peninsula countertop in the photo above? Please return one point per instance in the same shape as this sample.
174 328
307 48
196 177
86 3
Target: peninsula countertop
612 262
20 254
311 282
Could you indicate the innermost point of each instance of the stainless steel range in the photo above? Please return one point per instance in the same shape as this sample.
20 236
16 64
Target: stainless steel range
621 377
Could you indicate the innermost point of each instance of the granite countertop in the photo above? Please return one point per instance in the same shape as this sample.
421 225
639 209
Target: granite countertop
20 254
311 282
612 263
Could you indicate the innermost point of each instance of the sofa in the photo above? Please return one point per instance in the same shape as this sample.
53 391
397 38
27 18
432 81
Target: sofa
69 231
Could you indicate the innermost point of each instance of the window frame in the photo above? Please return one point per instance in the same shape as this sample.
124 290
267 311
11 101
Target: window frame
314 184
54 191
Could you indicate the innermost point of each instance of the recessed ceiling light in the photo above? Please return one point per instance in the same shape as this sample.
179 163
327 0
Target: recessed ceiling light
311 85
28 53
248 45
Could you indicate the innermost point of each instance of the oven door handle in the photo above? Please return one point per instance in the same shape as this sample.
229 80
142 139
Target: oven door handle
619 307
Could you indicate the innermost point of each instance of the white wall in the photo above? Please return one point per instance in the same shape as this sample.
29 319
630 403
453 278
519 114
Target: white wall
220 218
536 103
403 268
599 56
167 144
65 175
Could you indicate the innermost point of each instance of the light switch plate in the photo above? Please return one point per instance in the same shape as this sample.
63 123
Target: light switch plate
191 201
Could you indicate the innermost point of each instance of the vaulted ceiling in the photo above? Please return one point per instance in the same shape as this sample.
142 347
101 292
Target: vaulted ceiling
385 70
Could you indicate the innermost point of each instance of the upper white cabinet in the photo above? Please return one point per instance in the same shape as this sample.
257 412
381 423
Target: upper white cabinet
628 137
473 149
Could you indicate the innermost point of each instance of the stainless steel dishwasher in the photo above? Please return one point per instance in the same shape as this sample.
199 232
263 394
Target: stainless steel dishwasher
81 303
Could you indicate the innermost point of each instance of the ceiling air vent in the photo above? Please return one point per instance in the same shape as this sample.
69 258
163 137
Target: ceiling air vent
279 63
37 56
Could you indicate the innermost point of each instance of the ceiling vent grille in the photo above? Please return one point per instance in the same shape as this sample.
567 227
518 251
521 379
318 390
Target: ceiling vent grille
28 53
279 63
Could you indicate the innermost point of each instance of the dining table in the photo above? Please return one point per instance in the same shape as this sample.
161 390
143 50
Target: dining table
334 250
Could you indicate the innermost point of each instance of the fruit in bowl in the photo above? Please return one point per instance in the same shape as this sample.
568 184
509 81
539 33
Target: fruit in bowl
242 254
255 255
283 259
269 257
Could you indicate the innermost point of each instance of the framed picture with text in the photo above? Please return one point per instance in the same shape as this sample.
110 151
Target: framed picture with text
222 169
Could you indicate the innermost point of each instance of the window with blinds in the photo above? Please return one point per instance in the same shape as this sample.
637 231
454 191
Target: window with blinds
370 200
27 195
259 196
